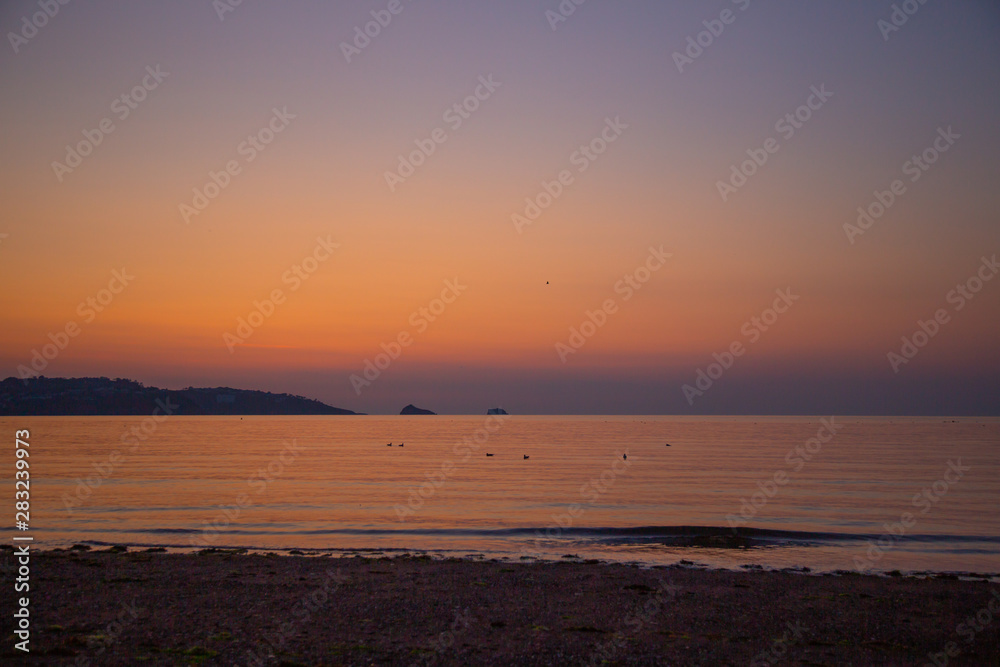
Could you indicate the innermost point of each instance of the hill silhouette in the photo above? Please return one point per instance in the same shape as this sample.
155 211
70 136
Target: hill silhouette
414 410
104 396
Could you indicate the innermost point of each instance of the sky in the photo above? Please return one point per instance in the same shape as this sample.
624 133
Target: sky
631 207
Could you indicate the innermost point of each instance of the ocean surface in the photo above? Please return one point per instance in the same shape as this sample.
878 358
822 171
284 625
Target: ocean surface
827 493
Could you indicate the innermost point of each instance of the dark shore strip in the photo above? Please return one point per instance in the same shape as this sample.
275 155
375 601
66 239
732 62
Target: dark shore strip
116 607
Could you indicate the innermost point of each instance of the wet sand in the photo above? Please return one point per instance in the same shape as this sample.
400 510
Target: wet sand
114 608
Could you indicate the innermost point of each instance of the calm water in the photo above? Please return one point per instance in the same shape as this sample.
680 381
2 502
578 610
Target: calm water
332 484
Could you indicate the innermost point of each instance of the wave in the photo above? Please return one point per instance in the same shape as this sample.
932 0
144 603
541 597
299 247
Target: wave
668 535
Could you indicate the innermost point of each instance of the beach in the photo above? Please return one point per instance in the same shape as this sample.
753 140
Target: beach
500 333
221 607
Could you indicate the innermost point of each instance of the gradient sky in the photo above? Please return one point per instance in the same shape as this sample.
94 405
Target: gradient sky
656 185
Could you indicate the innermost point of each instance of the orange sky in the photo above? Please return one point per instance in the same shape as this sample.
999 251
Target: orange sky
323 176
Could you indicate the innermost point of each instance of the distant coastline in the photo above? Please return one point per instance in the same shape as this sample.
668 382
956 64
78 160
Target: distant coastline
102 396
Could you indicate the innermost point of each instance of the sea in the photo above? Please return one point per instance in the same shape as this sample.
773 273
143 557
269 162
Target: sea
816 494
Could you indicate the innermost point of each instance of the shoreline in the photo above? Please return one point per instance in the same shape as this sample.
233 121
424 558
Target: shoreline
118 606
687 562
